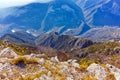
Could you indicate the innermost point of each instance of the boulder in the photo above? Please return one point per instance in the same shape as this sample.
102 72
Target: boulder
99 72
8 52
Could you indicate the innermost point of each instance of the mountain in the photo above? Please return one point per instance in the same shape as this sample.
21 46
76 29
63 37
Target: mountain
103 34
100 13
62 42
19 37
72 17
44 17
69 17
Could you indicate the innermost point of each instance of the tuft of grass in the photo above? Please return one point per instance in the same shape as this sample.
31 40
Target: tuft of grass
90 77
110 77
36 75
84 63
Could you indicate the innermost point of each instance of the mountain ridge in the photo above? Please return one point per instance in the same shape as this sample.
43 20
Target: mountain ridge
53 40
70 16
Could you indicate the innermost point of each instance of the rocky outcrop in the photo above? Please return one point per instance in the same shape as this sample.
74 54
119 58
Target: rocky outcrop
8 52
99 72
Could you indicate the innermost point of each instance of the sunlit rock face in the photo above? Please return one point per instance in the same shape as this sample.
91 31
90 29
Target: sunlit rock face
99 71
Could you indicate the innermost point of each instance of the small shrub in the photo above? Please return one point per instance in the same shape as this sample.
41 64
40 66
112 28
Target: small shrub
90 77
110 77
84 63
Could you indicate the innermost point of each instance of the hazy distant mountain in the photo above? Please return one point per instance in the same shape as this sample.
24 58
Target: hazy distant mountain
59 15
103 34
100 12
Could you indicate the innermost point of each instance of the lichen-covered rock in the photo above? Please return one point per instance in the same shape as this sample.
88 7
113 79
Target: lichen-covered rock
115 71
54 59
8 52
99 72
41 61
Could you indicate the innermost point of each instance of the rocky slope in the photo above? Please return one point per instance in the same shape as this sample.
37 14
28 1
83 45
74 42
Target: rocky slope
41 67
105 52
